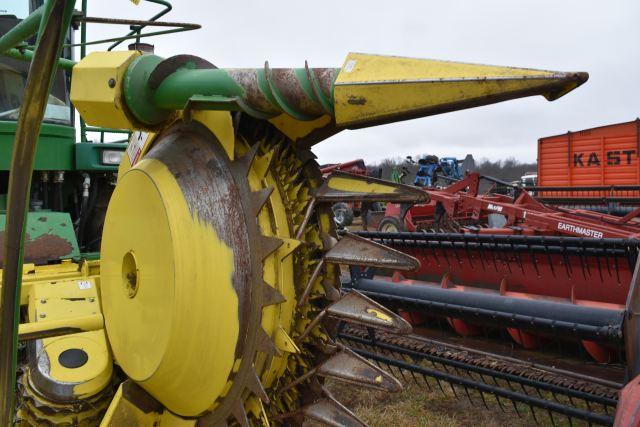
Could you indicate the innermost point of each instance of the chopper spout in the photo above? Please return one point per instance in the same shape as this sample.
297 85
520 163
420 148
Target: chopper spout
372 90
367 91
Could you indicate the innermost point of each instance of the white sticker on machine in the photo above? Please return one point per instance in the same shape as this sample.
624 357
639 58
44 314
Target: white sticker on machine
136 143
349 66
84 284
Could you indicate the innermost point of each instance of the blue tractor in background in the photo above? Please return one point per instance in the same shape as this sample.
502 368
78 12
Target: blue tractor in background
430 168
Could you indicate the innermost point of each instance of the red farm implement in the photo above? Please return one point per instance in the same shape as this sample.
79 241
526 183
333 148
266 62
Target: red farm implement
461 207
517 250
561 285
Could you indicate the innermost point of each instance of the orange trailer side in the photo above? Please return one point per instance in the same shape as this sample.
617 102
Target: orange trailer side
606 155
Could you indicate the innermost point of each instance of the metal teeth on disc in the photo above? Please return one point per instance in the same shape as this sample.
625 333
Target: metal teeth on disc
288 247
331 412
265 344
345 187
243 164
284 342
240 414
255 385
262 164
357 308
356 250
271 296
348 367
253 160
259 199
269 245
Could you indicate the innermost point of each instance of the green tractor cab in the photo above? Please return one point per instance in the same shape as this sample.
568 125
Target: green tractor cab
72 180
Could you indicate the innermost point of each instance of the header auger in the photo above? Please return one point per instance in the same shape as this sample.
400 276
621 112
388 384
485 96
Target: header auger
218 277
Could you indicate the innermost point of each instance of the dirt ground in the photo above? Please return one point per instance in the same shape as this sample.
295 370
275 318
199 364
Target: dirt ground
416 406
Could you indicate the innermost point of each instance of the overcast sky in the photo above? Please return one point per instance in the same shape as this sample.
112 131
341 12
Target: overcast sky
600 37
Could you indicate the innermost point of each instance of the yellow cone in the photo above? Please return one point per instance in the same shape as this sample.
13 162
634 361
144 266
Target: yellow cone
372 89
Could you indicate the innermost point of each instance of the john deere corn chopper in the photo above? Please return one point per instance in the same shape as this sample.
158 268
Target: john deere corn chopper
216 294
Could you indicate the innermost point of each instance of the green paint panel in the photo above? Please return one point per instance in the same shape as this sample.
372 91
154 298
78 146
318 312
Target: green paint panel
49 237
55 146
89 155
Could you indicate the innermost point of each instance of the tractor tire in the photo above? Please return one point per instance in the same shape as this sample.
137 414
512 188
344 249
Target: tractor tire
391 224
342 214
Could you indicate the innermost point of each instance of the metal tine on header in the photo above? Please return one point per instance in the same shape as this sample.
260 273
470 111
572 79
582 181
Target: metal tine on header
439 384
582 260
632 255
534 260
480 250
499 403
606 259
586 257
454 391
565 256
466 390
493 253
553 270
484 402
615 257
599 267
446 257
533 413
434 251
506 258
455 252
517 254
428 384
466 249
515 406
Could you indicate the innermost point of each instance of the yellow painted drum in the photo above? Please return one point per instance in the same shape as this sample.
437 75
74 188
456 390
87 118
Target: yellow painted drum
174 294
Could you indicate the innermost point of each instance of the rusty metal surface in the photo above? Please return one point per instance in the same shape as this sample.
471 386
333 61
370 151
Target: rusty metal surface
355 250
43 248
217 193
330 412
98 20
325 78
348 367
381 190
325 102
359 309
170 65
285 86
202 171
273 91
49 237
579 78
253 95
